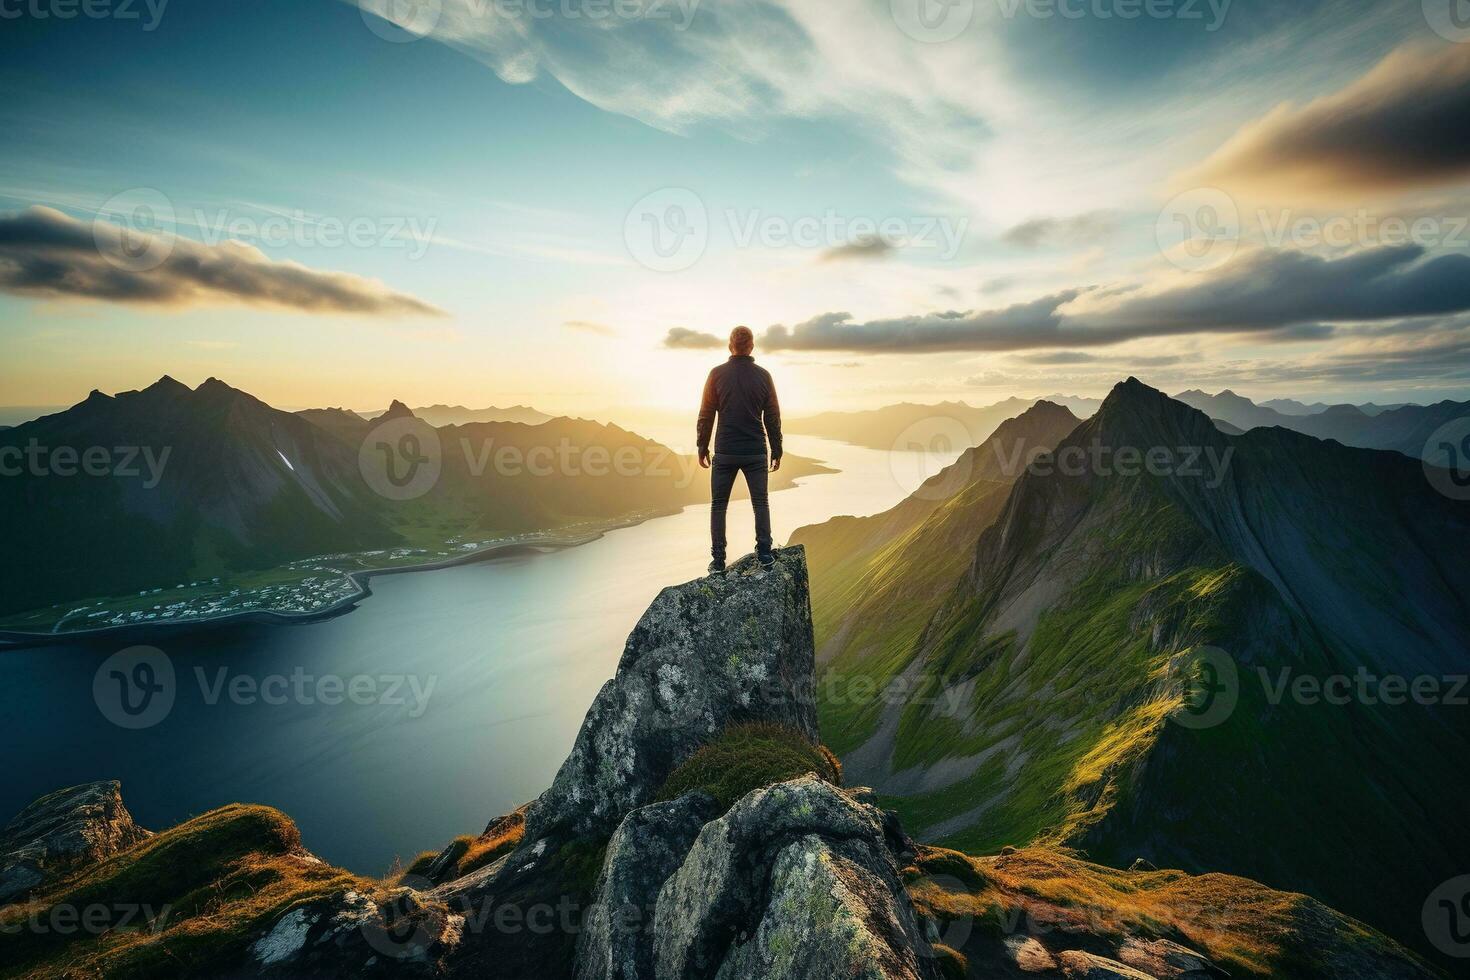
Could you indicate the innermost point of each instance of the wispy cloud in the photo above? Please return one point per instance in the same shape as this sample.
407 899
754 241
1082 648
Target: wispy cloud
863 248
590 326
1406 123
1076 230
46 253
682 338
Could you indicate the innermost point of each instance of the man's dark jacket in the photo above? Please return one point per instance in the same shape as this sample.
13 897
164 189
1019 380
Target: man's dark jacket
744 396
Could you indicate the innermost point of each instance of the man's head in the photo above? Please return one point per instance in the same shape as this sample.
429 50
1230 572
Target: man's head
742 341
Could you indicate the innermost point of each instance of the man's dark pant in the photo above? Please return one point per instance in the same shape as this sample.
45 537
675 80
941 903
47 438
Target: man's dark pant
722 479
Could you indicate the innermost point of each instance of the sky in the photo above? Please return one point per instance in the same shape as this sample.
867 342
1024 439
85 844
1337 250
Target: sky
569 203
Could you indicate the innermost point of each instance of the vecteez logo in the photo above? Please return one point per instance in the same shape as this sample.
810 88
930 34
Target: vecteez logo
1450 19
135 230
402 458
1446 917
135 688
924 449
1212 688
1199 230
401 21
932 21
668 230
1446 459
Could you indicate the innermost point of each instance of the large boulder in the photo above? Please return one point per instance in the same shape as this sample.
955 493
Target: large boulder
798 880
63 831
717 651
649 846
1166 960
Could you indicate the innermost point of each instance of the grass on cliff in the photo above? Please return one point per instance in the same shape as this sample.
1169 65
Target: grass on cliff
185 902
747 757
468 853
1054 727
1244 927
874 588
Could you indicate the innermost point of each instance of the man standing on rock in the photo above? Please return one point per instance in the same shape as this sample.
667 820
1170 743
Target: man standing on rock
743 395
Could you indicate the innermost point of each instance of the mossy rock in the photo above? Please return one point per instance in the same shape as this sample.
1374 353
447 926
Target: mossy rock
747 757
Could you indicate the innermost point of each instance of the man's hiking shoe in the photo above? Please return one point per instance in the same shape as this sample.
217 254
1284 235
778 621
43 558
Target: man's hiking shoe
768 561
716 566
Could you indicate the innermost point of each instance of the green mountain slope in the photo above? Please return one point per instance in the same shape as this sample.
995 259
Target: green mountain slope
1064 691
879 579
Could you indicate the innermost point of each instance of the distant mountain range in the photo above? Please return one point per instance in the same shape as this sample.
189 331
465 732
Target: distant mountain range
13 415
167 484
1290 406
912 426
1111 657
1403 428
441 415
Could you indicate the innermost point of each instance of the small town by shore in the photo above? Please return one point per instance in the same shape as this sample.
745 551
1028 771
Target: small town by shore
309 598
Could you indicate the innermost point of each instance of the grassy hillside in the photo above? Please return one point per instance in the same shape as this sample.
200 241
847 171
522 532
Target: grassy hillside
878 580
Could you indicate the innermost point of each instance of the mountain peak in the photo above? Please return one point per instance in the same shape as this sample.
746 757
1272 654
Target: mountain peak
167 384
397 410
1133 389
215 387
1136 414
1043 408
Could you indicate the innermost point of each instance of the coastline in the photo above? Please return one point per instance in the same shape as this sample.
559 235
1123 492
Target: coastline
361 579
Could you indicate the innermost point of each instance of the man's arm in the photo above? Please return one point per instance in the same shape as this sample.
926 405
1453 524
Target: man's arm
709 404
773 421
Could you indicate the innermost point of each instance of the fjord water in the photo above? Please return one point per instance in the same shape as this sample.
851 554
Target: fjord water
479 678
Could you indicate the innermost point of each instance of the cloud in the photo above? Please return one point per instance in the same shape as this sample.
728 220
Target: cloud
872 247
1406 123
588 326
1288 295
682 338
1012 328
46 253
1060 357
1074 231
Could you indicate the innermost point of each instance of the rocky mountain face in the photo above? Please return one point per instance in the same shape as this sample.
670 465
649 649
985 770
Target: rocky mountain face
1119 665
680 841
62 831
